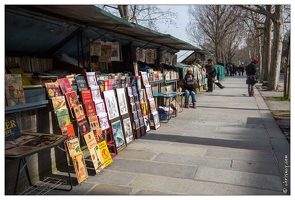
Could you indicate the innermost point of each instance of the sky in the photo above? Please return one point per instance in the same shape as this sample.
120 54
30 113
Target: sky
179 30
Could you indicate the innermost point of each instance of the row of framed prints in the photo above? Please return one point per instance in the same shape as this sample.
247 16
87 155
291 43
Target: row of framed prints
150 100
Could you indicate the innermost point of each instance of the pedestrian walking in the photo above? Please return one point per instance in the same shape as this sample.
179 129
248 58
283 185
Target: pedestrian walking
210 70
189 85
251 76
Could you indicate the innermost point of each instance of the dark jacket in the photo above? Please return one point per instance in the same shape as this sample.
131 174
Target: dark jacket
210 71
251 69
186 84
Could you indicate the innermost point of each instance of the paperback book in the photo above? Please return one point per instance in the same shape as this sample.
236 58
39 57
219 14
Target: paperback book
81 83
65 85
53 89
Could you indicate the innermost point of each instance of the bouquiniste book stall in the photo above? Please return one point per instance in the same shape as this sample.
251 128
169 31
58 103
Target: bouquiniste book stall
110 110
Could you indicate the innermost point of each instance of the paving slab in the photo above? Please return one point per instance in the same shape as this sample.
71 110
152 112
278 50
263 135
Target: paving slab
194 160
194 187
104 189
256 180
154 168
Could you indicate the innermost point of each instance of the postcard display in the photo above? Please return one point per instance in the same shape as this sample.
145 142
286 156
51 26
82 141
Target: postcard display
151 102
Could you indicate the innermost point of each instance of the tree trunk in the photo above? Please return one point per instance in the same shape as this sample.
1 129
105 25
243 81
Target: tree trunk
277 48
267 46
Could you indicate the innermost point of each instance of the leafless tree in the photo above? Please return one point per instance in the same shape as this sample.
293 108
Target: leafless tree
150 16
277 18
211 26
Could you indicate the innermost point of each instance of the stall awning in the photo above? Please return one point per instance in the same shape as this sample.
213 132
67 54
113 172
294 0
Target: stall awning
104 23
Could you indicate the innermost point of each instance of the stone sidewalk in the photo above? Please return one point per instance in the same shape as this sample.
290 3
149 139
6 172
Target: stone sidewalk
229 145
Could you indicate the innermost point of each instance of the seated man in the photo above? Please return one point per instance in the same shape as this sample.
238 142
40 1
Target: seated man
189 85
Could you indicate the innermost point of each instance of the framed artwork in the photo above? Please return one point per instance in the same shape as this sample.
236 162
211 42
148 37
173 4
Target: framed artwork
115 51
100 108
153 108
118 134
91 79
104 123
149 92
145 79
133 107
137 104
141 95
146 122
128 131
139 114
156 120
134 90
106 53
136 98
95 91
111 104
122 101
137 125
141 123
129 90
135 116
131 99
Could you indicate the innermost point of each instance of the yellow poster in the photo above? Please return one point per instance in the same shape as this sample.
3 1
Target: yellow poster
80 167
105 153
94 151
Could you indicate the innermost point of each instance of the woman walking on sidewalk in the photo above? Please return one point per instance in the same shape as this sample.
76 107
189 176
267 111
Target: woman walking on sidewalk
251 71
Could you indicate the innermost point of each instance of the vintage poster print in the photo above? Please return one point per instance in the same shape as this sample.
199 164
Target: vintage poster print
115 52
128 130
145 79
153 108
118 134
80 167
73 146
156 120
91 79
149 92
100 108
95 91
122 101
111 104
94 151
104 123
129 90
105 153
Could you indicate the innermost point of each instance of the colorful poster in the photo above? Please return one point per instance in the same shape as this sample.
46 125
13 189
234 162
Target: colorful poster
105 153
118 134
80 167
94 151
128 130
